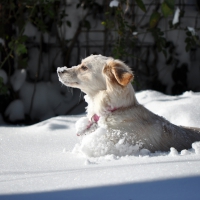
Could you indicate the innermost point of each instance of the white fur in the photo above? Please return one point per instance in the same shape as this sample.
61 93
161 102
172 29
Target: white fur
111 97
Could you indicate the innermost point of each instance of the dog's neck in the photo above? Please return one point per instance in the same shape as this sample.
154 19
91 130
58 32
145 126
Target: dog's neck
107 101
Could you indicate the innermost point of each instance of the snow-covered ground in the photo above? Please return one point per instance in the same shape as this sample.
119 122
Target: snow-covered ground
46 161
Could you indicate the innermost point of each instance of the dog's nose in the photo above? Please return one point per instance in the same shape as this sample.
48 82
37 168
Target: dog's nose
61 70
59 73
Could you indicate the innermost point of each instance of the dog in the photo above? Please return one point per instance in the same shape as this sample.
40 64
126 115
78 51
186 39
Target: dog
112 103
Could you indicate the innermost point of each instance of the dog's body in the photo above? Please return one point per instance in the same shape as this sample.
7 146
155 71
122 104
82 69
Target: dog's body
112 103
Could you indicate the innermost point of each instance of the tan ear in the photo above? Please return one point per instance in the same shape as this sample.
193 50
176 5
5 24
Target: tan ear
119 71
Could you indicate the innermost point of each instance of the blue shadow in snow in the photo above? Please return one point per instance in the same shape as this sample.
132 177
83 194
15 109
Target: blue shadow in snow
171 189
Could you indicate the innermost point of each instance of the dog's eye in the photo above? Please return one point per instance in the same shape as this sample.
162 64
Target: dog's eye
84 68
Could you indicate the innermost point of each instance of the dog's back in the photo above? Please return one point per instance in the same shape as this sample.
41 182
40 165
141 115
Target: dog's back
150 130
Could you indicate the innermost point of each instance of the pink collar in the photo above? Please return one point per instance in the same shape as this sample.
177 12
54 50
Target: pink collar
112 110
95 117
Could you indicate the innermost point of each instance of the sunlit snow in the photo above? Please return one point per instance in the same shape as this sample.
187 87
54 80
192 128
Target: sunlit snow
49 161
176 16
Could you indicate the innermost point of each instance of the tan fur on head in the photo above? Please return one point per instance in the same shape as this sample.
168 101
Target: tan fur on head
118 72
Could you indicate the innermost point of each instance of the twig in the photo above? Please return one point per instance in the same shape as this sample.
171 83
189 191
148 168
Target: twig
74 39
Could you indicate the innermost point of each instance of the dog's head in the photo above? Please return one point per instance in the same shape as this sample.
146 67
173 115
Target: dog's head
96 73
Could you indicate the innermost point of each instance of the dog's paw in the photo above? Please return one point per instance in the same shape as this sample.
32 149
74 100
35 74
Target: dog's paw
81 125
84 126
81 133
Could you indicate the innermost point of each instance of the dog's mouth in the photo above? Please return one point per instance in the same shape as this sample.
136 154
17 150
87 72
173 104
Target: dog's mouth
67 83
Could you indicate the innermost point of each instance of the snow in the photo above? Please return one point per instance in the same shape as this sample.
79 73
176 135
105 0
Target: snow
4 76
114 3
191 29
49 99
97 144
61 69
135 33
18 79
2 42
48 161
176 16
15 110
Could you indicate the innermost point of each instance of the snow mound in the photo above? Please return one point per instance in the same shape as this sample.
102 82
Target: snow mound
81 124
173 152
18 79
102 143
196 147
180 110
114 3
15 110
4 76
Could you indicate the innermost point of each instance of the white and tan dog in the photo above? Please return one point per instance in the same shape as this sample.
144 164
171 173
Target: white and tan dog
112 103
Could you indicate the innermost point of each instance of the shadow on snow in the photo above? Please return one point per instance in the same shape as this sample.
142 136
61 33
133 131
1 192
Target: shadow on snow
173 189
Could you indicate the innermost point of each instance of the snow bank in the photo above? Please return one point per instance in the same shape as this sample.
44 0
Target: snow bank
48 101
15 111
101 143
18 79
4 76
180 110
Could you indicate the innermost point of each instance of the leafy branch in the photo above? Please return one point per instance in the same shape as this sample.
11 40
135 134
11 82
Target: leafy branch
127 32
17 44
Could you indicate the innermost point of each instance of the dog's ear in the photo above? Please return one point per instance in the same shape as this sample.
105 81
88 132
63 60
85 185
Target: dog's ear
118 71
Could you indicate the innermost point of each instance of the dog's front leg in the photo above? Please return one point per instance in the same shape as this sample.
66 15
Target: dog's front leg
85 126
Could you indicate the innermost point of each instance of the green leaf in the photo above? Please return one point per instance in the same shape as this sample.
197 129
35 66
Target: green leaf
23 38
187 40
188 46
188 33
141 5
20 49
155 17
12 6
50 13
161 33
3 88
170 3
11 44
166 10
163 42
23 62
86 24
1 80
68 23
